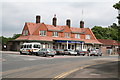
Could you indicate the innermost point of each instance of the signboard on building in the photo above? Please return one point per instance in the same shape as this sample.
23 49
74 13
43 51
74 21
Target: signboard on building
60 41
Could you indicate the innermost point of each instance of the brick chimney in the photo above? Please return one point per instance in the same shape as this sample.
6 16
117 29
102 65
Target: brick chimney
54 20
81 24
37 19
68 22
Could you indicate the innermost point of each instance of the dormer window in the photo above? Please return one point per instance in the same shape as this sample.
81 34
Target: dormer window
42 33
67 35
55 34
77 35
87 36
25 32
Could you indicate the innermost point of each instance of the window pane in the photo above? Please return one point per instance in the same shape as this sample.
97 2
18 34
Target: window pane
87 36
42 33
55 33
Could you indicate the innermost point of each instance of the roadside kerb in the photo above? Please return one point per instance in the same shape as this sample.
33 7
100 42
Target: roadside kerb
10 52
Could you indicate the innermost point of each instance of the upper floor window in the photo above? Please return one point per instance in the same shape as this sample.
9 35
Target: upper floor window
42 33
67 35
25 32
77 35
87 36
55 34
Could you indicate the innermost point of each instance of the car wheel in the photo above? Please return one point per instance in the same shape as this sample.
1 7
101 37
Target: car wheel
75 54
37 54
44 55
52 55
83 54
21 53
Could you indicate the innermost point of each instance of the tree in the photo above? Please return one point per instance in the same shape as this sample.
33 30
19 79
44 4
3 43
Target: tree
105 33
4 40
117 5
16 36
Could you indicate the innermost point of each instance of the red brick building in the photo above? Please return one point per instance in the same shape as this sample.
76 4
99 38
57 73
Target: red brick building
109 46
55 36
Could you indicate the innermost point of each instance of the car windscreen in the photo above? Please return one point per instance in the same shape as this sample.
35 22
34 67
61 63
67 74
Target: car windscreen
50 50
43 50
36 46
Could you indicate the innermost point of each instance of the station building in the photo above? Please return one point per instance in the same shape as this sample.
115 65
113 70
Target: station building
55 36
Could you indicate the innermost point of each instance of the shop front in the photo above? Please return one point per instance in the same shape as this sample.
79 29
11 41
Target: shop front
64 44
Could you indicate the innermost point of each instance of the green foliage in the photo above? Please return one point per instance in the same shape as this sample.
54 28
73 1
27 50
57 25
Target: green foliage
105 33
4 40
117 5
16 36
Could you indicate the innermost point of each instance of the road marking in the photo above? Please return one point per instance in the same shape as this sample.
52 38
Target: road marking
94 74
62 75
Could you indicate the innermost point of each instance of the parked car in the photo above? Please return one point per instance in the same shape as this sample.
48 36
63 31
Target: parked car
80 52
95 53
46 52
70 52
30 48
59 51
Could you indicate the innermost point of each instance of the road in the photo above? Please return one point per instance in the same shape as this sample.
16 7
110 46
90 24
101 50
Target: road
29 66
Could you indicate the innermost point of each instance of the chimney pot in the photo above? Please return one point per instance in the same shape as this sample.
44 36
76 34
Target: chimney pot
37 19
54 20
81 24
68 22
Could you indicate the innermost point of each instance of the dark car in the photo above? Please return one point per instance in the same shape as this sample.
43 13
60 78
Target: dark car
80 52
59 51
46 52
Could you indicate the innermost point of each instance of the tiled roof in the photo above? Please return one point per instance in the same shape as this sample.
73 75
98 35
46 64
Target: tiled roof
35 37
57 28
78 30
32 27
47 38
108 42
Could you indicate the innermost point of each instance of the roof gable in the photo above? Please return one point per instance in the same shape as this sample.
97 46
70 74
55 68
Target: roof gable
31 27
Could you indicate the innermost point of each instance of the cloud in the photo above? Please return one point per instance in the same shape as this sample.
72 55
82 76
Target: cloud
15 14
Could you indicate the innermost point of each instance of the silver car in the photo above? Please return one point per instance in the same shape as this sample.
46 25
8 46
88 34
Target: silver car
70 52
95 53
46 52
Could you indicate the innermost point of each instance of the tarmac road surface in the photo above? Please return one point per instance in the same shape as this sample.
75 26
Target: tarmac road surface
29 66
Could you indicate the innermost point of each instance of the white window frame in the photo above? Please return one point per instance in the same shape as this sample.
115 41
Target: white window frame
67 35
55 34
77 36
42 33
87 36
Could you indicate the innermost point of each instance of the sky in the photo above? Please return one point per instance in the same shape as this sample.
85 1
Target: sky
14 13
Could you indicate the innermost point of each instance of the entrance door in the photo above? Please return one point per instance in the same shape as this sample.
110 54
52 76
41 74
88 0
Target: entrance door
68 46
